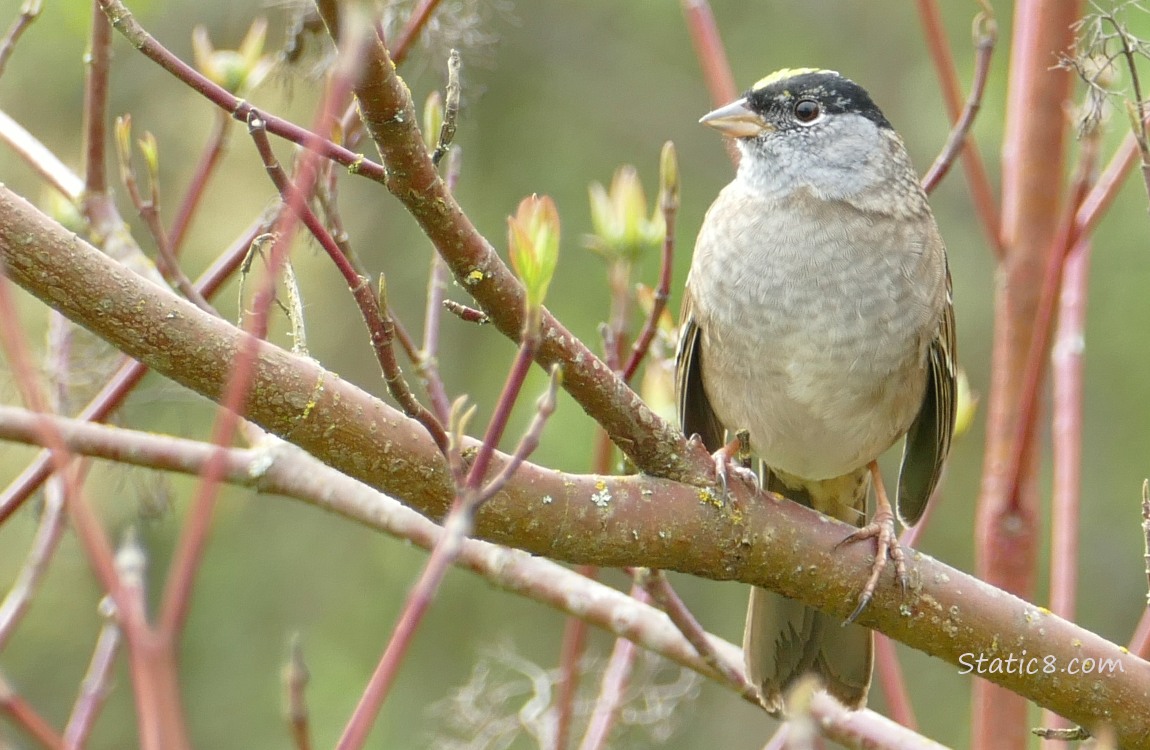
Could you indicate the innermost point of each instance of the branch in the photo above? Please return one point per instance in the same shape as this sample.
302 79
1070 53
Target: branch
653 444
607 521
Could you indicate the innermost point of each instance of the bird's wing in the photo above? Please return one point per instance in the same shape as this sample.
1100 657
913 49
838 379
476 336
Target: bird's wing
928 440
695 414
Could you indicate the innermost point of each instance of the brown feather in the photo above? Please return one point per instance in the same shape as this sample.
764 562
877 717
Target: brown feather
928 439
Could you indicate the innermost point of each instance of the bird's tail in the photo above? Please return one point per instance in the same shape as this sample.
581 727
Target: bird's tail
785 639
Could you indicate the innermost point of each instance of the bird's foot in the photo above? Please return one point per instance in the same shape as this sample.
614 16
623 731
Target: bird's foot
882 530
729 461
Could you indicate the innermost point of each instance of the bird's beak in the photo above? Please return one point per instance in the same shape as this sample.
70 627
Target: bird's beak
737 121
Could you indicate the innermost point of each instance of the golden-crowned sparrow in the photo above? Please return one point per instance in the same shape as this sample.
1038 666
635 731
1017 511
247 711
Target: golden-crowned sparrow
817 322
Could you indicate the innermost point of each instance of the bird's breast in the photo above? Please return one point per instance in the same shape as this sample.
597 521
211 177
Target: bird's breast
815 327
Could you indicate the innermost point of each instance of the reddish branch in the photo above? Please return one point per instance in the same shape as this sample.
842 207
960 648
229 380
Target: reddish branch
981 191
607 521
390 118
1033 165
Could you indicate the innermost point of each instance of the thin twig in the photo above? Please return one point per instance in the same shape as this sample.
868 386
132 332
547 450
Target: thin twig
465 313
986 36
457 527
1066 431
205 167
612 687
1146 532
570 655
381 326
656 584
516 377
126 24
43 547
22 715
890 675
709 50
40 159
1043 325
149 210
295 677
112 395
544 408
94 689
29 12
412 30
450 109
981 192
429 354
96 105
669 203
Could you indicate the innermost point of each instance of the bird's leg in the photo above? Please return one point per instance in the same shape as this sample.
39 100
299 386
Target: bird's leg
882 530
731 458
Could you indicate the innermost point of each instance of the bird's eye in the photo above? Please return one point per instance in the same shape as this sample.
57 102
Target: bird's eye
807 110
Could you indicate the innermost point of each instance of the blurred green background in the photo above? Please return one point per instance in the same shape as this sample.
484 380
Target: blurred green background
556 95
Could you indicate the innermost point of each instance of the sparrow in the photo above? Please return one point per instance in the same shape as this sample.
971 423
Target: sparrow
817 328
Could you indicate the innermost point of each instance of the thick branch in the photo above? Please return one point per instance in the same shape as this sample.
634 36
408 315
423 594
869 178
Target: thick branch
385 104
607 521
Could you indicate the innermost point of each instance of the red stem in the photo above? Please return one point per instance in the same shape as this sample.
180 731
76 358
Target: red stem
1033 159
197 188
189 552
507 398
890 676
96 103
411 31
981 191
1067 445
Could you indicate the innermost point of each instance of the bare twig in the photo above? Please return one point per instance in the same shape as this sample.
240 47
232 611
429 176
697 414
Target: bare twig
890 676
127 378
21 713
981 192
985 37
612 686
1146 531
44 544
149 210
40 159
381 326
465 313
570 655
712 56
544 408
412 30
450 109
516 376
656 584
205 167
126 24
96 107
94 689
295 677
436 301
29 12
457 527
669 203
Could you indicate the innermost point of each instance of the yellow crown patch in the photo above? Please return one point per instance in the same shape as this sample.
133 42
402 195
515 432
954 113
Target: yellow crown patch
780 75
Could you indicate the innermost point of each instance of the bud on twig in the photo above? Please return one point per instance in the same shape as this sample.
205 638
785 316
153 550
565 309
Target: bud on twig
533 239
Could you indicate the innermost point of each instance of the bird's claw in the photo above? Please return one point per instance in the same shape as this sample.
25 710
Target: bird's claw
728 461
882 530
